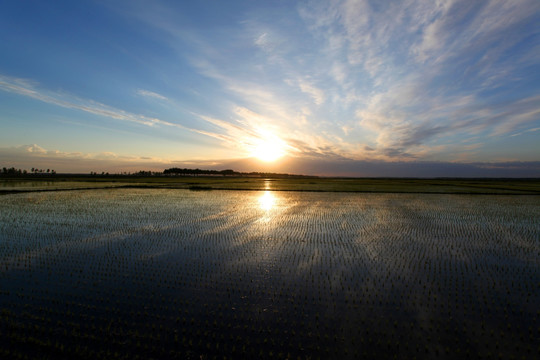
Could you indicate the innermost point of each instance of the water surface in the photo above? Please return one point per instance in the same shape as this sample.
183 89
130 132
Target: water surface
185 274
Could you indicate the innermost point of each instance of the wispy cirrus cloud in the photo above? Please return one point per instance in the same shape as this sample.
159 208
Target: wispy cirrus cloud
432 72
316 93
151 94
526 131
29 89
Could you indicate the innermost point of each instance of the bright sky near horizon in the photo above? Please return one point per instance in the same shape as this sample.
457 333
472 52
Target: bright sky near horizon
103 85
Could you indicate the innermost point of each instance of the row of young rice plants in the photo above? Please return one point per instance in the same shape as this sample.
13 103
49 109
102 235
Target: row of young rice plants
223 274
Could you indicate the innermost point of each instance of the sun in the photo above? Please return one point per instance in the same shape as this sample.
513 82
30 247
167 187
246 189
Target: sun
268 149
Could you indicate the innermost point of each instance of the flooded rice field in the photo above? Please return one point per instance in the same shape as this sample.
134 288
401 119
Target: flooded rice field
179 274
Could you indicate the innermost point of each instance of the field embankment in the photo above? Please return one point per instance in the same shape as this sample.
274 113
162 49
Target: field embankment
375 185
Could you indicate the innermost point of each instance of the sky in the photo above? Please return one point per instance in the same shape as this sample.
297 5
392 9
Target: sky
334 88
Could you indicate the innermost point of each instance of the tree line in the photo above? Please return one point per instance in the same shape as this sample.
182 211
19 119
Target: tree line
227 172
14 171
187 172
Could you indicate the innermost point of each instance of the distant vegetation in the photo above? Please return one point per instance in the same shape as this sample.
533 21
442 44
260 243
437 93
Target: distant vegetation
168 172
228 172
14 172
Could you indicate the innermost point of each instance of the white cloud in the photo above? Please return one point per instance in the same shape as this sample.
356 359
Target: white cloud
151 94
268 41
28 89
34 149
526 131
317 94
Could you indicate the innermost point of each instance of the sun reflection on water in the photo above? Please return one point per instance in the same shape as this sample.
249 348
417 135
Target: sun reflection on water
267 201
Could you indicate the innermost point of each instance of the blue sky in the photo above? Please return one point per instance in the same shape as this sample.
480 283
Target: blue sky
125 85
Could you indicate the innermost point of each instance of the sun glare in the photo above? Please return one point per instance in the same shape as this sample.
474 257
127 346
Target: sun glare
269 149
267 201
